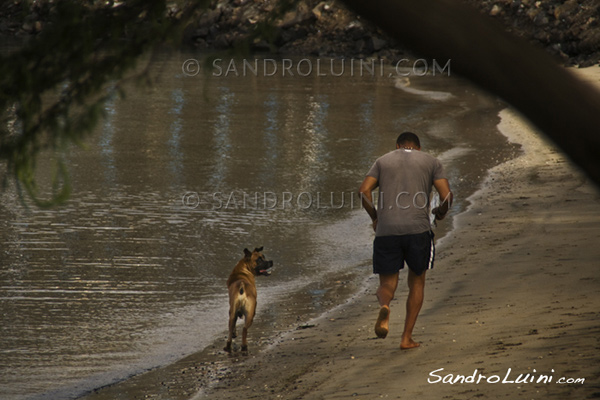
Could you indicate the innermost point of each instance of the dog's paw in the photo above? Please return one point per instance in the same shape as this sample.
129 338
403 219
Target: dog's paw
227 347
244 348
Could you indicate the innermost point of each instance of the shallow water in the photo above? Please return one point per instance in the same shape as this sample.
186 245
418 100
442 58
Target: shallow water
129 274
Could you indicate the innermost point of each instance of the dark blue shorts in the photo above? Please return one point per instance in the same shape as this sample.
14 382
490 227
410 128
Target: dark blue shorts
390 253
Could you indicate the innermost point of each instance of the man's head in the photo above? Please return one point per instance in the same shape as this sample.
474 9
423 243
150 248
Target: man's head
408 140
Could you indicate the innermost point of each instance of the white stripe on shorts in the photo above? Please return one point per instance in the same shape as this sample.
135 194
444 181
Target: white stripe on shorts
431 255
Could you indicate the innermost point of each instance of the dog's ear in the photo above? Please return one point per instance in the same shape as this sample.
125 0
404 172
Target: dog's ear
259 249
247 253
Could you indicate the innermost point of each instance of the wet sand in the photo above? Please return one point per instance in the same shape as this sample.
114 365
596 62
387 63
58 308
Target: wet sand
513 298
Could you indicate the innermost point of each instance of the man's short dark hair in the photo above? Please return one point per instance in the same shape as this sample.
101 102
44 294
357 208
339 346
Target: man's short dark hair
408 138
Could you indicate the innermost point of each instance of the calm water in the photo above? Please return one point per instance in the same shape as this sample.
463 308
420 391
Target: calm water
129 274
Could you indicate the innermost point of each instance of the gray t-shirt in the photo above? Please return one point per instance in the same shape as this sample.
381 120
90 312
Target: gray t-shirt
405 180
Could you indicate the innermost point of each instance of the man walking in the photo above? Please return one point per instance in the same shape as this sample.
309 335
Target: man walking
402 228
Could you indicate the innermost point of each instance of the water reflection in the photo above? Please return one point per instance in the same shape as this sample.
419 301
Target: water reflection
106 141
315 141
272 107
367 128
221 137
174 142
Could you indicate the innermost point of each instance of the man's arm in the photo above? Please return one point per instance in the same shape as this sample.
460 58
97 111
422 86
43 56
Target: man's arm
443 188
366 196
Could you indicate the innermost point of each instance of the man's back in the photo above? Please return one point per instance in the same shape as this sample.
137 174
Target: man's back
403 232
405 180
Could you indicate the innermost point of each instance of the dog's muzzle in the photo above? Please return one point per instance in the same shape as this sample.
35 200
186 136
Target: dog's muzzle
263 266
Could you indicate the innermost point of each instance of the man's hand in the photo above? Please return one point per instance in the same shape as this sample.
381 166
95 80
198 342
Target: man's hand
443 188
438 214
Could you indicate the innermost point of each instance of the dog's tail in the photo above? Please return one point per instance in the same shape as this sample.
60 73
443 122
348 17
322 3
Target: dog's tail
241 288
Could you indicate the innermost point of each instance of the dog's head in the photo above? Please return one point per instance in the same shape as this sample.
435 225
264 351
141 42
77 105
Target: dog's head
258 262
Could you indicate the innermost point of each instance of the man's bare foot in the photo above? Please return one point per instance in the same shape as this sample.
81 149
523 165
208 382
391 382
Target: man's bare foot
408 344
382 324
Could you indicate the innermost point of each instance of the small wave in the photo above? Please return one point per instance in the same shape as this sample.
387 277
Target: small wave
452 154
404 85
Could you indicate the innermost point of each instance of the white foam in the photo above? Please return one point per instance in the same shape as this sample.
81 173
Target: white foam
404 85
453 154
535 151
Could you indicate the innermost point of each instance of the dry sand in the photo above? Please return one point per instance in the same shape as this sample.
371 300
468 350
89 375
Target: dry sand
514 296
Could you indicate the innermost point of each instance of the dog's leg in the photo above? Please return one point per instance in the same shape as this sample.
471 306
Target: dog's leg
232 322
249 317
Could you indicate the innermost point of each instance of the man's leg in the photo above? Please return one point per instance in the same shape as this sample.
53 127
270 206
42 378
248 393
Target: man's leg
385 293
416 291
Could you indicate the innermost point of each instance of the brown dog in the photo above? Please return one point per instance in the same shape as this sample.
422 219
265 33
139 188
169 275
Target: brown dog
242 292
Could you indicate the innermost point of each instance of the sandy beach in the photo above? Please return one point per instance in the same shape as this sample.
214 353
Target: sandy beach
511 308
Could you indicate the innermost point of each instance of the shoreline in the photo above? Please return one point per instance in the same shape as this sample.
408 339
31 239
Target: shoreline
502 301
